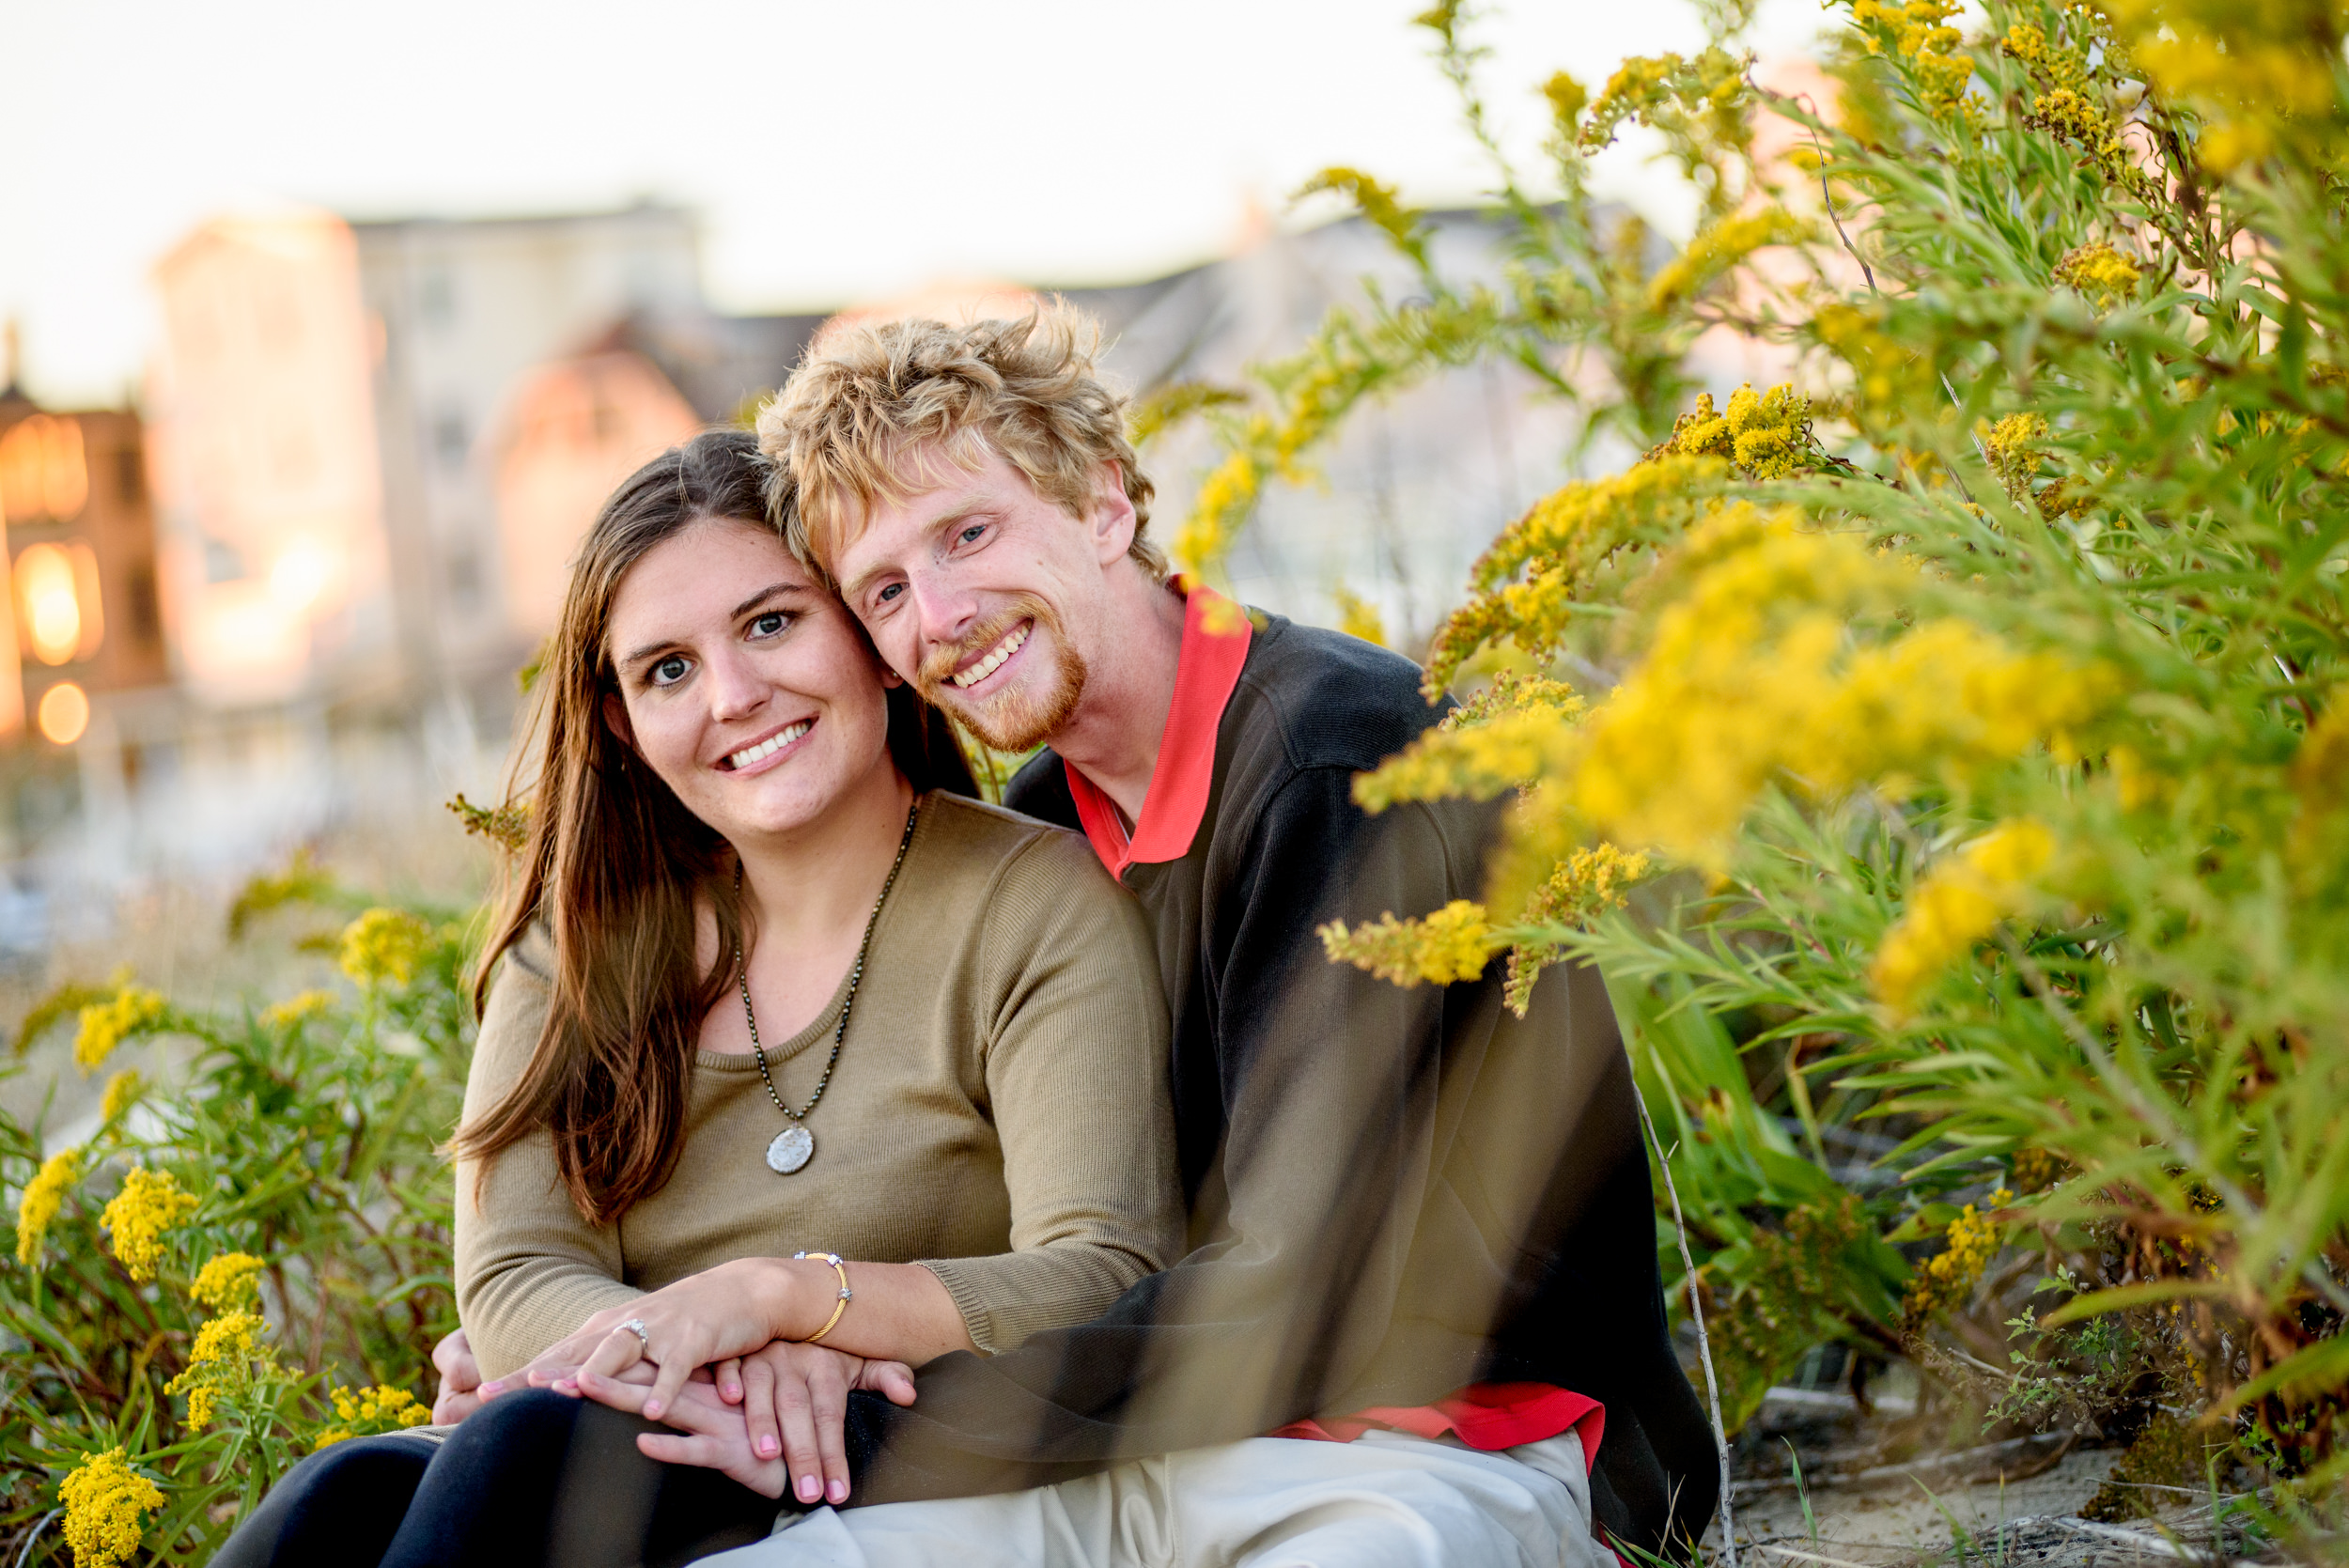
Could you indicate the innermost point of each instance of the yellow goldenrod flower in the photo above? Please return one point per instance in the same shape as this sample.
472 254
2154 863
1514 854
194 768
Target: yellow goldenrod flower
43 1196
383 947
2099 271
1358 618
365 1412
229 1280
1959 902
1450 944
1919 31
221 1362
150 1203
106 1024
1714 250
295 1008
106 1504
122 1092
1948 1278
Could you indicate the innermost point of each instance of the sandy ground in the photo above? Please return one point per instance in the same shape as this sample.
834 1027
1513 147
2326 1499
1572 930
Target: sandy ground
2015 1502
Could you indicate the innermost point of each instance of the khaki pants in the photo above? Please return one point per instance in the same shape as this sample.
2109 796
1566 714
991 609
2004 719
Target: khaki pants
1386 1501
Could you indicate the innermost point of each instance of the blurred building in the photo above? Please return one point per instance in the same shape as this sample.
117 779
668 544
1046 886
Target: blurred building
472 314
262 434
79 615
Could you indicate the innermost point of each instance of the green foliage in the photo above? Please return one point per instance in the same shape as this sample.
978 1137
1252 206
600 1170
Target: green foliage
294 1150
1989 683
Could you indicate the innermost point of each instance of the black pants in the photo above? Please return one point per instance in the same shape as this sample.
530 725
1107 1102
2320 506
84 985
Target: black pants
531 1478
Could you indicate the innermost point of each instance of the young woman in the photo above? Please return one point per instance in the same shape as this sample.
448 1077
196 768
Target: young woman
797 1063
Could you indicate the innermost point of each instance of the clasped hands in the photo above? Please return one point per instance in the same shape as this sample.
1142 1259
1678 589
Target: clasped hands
719 1361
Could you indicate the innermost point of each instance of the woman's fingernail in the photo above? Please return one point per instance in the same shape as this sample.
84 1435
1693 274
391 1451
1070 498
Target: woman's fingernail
734 1390
767 1447
488 1389
837 1492
810 1488
652 1408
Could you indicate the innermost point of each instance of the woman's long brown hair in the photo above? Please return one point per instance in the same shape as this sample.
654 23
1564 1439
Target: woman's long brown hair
615 864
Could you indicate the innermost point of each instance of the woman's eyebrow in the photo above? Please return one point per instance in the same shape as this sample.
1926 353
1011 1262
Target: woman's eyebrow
763 595
736 614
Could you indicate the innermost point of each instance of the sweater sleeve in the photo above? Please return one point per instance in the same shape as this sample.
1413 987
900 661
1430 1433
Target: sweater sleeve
1076 1080
529 1268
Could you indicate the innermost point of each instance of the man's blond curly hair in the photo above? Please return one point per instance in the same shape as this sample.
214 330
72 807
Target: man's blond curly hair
872 408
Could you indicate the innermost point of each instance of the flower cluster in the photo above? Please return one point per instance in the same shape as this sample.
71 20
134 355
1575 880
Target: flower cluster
123 1090
1766 434
107 1024
1450 944
1719 247
1358 618
1948 1278
1954 906
1751 679
44 1195
1585 885
220 1363
228 1282
2261 71
2100 272
383 947
2010 447
295 1009
150 1203
1919 31
365 1412
106 1504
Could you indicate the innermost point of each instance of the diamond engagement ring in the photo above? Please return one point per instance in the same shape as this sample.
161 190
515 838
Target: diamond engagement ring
636 1326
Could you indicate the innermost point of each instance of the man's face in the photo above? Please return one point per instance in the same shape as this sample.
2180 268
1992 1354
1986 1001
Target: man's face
986 595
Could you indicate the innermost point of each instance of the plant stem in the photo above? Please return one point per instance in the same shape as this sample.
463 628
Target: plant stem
1704 1345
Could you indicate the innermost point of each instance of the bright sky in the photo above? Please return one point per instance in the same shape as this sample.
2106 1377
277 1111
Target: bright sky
835 150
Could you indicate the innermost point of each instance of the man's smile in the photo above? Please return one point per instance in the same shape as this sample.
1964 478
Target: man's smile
988 662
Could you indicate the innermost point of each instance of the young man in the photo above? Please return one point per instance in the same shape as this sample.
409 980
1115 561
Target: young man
1418 1222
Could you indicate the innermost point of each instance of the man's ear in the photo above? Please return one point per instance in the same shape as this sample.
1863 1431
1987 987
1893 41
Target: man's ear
1112 519
615 719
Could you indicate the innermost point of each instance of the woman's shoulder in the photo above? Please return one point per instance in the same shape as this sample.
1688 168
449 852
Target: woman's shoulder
1027 865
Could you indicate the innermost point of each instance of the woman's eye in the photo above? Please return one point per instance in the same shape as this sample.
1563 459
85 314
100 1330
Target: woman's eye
669 671
889 595
771 624
971 533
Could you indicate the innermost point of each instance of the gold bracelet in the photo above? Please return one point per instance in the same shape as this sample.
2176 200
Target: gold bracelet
847 1295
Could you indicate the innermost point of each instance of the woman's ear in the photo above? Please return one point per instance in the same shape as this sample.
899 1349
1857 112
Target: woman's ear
615 719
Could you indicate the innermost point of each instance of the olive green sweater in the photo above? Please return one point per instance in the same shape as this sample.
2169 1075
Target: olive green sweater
998 1113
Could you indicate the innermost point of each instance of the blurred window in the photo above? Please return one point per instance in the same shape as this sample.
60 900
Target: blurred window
43 470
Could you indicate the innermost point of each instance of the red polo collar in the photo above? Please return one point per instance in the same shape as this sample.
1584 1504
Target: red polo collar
1205 674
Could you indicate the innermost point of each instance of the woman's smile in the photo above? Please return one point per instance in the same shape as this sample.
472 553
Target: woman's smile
769 749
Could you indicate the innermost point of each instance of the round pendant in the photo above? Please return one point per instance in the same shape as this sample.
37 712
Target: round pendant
793 1147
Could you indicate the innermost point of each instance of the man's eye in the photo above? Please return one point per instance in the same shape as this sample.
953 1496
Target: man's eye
889 595
669 671
971 533
771 624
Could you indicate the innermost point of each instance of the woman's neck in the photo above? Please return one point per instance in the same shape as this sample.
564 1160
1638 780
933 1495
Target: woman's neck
820 879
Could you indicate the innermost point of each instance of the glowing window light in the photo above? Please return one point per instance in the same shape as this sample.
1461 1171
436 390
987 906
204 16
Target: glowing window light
63 714
48 606
44 471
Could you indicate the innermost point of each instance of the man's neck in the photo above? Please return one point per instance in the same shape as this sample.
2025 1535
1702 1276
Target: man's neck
1112 738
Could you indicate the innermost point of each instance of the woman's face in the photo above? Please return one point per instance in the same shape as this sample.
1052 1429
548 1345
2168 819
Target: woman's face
743 683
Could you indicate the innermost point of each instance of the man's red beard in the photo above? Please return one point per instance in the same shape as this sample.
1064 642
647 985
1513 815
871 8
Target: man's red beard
1022 716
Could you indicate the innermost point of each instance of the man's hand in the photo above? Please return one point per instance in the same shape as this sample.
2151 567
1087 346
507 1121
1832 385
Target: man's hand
460 1379
789 1424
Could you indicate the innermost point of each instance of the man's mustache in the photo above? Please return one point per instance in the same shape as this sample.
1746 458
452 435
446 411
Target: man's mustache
934 677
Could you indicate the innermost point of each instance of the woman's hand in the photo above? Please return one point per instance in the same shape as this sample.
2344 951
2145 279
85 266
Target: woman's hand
708 1319
790 1423
460 1379
560 1362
